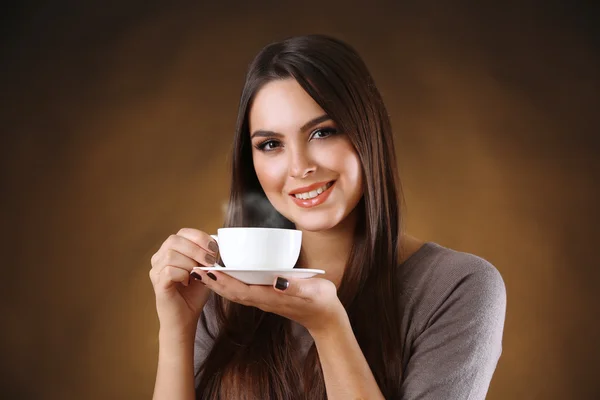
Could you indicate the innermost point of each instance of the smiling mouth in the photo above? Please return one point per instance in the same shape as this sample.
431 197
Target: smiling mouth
313 198
313 193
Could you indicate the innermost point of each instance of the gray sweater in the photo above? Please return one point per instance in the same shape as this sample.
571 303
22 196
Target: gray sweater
453 309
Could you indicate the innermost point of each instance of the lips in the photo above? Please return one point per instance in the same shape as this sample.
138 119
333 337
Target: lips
308 188
313 195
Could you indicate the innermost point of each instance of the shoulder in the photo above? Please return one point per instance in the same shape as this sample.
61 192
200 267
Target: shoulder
438 279
453 307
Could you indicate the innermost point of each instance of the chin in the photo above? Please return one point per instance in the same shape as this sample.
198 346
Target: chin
315 226
318 221
315 219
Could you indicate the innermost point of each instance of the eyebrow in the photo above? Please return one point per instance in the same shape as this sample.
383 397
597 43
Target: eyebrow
305 127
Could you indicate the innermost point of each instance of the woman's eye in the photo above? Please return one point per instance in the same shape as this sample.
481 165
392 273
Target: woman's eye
323 133
268 145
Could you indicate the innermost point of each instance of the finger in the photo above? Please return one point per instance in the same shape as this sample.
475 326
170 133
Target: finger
189 249
303 288
237 291
222 285
202 239
176 259
171 275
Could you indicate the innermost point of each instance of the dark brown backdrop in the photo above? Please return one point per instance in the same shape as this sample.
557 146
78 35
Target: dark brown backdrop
116 124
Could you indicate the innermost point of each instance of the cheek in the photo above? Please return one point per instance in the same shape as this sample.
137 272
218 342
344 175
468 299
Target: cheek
354 173
344 160
271 173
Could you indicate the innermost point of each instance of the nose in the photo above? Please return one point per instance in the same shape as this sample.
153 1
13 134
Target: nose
301 164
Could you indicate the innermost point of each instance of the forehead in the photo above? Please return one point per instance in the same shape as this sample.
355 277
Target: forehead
282 106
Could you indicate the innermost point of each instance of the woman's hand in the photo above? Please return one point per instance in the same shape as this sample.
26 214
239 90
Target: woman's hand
312 302
179 296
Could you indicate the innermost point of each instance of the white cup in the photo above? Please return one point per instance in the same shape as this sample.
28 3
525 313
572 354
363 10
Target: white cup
259 248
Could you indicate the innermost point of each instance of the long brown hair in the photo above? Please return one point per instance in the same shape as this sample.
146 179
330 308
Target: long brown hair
253 356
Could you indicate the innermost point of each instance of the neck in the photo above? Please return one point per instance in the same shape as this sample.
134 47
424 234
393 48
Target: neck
329 250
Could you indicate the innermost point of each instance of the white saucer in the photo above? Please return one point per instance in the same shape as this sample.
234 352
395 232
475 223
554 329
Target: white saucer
265 276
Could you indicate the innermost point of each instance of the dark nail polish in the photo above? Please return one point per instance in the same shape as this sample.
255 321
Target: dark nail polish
196 276
282 283
212 276
210 259
212 246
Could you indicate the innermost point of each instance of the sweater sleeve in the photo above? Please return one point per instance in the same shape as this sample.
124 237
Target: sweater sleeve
456 350
204 340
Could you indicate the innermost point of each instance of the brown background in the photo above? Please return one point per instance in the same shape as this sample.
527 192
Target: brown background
117 119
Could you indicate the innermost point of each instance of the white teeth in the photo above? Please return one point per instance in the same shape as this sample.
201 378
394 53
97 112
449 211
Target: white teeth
313 193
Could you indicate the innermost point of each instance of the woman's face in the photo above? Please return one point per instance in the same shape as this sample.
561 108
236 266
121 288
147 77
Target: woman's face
308 169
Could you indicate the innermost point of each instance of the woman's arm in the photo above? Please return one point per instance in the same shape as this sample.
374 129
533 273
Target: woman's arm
180 299
175 371
345 369
314 304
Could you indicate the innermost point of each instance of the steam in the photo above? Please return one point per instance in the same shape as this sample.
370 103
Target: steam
258 212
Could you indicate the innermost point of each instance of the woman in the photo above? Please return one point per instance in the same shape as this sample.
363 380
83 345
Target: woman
392 318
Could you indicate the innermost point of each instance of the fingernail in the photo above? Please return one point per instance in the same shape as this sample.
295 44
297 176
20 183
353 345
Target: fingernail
212 276
282 283
196 276
212 246
210 259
